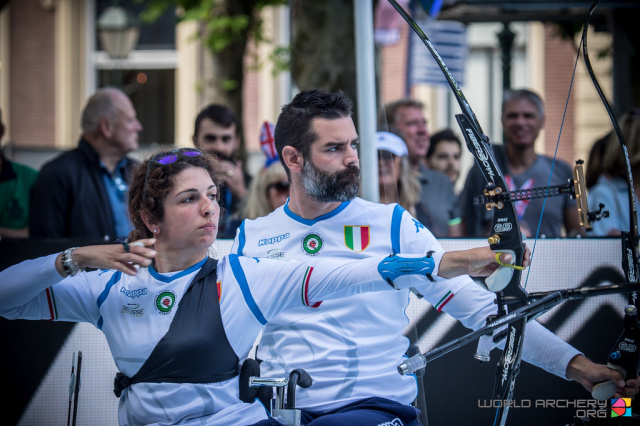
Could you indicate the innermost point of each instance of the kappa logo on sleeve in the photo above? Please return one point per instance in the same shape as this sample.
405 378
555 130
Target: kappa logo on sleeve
419 226
357 238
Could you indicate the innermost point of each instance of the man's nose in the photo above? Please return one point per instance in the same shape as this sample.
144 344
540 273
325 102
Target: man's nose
351 156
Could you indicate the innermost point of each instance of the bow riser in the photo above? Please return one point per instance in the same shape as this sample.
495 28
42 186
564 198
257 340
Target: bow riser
506 230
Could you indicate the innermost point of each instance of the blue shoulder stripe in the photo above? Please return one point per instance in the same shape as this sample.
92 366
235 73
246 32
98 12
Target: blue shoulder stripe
396 221
238 273
242 239
103 296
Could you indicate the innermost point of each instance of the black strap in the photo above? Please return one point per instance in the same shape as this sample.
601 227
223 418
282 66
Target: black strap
195 349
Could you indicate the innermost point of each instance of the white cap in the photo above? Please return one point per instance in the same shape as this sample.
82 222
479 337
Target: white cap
389 142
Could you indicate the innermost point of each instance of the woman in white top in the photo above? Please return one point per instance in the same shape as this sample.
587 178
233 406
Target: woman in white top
178 322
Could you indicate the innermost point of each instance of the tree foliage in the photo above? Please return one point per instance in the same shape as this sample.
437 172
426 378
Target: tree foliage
225 27
321 55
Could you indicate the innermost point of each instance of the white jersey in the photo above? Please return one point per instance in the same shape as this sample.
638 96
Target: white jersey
351 347
134 313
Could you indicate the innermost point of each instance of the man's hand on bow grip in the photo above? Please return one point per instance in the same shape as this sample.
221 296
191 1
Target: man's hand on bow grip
477 262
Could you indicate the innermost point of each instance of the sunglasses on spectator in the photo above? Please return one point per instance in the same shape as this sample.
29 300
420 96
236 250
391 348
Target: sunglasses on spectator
168 157
281 187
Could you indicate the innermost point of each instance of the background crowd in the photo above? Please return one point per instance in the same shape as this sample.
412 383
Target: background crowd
82 193
302 206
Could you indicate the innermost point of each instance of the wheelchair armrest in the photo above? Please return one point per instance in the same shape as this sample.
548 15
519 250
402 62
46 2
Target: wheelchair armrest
248 393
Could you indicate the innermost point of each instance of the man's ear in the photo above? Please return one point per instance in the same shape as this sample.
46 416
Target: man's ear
105 127
292 158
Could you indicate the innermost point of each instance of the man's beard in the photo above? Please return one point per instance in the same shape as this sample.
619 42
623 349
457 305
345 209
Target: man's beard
328 188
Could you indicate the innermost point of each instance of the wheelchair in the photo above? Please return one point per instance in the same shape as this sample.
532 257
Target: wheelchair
253 387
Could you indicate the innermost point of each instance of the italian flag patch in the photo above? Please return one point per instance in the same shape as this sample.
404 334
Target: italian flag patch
445 299
305 289
356 237
51 301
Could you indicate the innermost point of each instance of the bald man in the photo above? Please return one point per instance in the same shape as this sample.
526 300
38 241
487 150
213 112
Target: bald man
82 192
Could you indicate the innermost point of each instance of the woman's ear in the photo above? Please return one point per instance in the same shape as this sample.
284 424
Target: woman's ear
293 159
150 222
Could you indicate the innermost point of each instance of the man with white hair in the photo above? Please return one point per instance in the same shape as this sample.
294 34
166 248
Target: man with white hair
522 120
82 192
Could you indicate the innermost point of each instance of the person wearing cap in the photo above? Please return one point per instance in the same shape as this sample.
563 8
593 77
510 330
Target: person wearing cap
397 183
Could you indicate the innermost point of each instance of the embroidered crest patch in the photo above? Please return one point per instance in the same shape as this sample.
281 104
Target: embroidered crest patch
312 244
165 301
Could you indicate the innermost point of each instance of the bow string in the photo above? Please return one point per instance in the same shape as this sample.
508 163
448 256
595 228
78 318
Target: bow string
629 239
505 229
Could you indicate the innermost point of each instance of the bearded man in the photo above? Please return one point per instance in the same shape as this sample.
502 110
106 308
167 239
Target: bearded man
351 347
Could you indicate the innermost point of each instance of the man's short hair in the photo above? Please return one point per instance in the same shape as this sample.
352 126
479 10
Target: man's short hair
293 127
443 135
388 116
100 105
219 114
526 94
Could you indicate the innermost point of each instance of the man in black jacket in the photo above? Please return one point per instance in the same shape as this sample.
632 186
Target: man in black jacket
82 192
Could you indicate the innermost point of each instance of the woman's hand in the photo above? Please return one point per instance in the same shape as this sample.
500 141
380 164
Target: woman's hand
113 256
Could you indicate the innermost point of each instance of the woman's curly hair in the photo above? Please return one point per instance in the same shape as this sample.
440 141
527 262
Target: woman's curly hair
158 184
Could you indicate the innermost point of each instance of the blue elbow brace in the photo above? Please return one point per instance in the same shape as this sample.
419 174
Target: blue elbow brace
391 267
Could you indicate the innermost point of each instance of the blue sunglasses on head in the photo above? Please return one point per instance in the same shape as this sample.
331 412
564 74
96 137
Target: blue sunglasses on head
168 157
